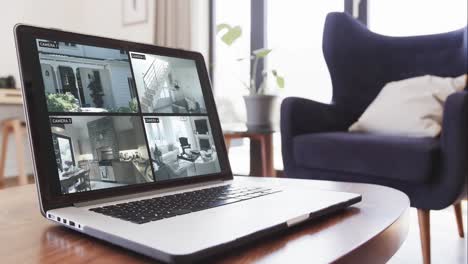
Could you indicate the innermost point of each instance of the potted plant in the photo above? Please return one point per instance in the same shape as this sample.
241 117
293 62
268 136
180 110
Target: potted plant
259 104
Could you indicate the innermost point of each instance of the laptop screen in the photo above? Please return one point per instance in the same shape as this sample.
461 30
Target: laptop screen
119 117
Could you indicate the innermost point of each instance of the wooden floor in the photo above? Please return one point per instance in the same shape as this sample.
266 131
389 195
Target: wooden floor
447 246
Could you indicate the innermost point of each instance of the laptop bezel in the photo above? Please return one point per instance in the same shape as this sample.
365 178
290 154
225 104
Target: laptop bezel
45 170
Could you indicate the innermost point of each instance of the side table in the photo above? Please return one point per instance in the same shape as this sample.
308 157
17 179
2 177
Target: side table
261 150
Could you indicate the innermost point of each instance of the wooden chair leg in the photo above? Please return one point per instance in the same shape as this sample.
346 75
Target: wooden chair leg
264 158
459 217
425 234
20 160
5 133
270 159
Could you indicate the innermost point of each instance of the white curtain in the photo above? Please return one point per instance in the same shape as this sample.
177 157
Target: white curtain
173 23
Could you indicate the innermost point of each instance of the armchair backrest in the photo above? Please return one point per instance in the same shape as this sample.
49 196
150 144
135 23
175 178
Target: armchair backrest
361 62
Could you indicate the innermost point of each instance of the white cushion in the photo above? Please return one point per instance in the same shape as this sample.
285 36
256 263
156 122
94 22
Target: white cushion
410 107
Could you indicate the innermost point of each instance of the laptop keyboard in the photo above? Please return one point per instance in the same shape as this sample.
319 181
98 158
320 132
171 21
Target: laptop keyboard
147 210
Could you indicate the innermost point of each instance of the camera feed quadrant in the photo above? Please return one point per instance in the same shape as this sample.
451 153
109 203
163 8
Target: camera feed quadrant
167 84
99 152
181 146
82 78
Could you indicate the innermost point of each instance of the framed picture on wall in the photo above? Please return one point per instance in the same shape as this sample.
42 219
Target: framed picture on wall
134 12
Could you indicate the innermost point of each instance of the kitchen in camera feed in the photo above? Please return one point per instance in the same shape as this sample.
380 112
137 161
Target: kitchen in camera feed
98 152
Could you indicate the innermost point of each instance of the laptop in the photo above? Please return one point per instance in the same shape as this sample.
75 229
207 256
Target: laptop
127 148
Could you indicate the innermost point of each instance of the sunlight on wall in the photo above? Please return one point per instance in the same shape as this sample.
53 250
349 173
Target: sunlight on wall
295 35
229 73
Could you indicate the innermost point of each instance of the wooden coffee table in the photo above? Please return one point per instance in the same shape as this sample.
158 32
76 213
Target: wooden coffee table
369 232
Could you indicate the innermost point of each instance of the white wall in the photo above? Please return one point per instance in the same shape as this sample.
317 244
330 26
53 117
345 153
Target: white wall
200 27
119 74
189 83
103 18
48 13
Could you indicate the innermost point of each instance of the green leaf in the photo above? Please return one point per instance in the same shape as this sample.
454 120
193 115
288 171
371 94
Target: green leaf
242 59
280 81
261 53
220 27
232 35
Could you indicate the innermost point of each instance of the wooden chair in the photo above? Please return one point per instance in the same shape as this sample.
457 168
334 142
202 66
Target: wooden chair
18 129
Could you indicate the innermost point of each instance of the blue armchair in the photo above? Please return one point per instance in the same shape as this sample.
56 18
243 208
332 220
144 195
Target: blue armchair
315 142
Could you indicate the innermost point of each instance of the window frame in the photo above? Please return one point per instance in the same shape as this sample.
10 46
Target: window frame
258 33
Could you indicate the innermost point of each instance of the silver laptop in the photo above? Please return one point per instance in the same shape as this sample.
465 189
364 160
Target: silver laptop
128 148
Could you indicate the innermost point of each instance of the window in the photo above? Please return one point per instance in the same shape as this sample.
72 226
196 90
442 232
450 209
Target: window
294 32
397 17
229 73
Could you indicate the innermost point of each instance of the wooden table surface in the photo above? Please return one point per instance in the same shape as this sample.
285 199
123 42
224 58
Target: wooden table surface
368 232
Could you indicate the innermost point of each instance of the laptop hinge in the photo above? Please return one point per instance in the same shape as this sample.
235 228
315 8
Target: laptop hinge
149 193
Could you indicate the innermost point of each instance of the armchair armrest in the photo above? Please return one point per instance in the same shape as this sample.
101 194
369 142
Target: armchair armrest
303 116
454 144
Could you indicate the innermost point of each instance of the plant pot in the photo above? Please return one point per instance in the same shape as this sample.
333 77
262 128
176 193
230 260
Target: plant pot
259 111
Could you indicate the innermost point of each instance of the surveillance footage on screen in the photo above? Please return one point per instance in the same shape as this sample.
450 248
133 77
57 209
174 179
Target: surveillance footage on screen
98 152
120 118
167 84
81 78
181 146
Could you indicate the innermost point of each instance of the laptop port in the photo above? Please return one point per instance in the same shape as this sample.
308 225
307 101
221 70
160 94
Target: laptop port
59 219
64 221
71 223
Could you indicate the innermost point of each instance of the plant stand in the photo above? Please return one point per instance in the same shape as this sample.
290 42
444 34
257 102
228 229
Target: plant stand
261 150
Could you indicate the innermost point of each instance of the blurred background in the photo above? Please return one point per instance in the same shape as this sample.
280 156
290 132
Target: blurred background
293 32
285 35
